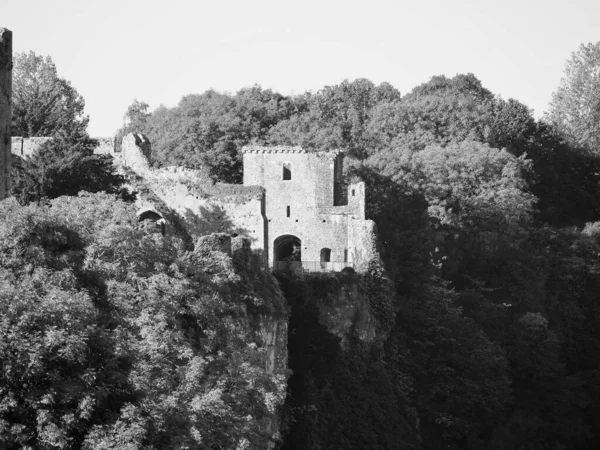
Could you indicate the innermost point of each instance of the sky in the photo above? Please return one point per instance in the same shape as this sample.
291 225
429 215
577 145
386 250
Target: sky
115 51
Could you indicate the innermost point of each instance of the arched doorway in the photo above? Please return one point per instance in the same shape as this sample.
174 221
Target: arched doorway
287 251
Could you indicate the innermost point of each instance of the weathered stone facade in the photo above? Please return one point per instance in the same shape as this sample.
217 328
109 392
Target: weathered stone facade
25 147
290 198
5 110
307 204
105 146
136 152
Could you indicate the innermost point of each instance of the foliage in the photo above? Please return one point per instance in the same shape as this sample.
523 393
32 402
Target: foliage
575 107
465 184
339 397
208 130
64 166
44 104
113 337
334 117
134 121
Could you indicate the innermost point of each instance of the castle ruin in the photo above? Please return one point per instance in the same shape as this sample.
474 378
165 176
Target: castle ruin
313 219
294 206
5 110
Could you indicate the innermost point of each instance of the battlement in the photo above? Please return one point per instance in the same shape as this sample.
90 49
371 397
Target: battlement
260 149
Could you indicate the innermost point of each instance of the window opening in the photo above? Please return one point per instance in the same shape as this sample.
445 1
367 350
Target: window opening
352 192
345 255
325 255
288 210
287 171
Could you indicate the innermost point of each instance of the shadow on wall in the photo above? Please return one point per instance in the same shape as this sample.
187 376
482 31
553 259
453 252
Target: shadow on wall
211 219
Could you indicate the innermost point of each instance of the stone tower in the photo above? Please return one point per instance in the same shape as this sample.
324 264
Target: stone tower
5 109
312 216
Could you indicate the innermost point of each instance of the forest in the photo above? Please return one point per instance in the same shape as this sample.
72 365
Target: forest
489 229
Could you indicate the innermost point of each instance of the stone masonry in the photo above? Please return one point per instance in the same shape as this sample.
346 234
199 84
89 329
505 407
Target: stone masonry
291 198
5 110
307 204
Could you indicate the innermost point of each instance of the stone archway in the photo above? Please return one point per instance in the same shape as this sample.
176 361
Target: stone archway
287 253
287 248
151 221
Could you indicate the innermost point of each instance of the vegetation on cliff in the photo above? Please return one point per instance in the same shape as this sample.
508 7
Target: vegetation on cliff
114 337
488 221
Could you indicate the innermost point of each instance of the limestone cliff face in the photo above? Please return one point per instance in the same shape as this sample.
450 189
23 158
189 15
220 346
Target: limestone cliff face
340 386
347 311
229 262
348 305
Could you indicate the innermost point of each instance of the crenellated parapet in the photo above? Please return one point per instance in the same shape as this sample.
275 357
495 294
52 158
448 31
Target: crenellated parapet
288 149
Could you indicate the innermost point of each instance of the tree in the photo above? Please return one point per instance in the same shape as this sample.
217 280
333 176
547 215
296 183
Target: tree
134 121
335 117
44 104
575 106
65 167
466 185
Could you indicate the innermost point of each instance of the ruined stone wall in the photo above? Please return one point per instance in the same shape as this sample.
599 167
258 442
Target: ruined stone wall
355 206
207 208
106 146
16 145
5 110
268 205
25 147
136 152
362 240
30 145
303 206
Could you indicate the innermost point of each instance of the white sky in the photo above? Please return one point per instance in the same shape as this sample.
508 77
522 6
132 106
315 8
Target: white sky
113 51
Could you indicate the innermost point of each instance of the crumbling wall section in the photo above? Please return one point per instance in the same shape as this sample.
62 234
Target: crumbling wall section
25 147
362 241
206 208
300 201
16 145
136 152
5 110
30 145
106 146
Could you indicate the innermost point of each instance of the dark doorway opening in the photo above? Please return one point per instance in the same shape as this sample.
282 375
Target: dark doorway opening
287 248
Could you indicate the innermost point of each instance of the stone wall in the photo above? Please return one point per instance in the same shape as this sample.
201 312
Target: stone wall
25 147
205 215
106 146
136 152
303 205
5 110
362 240
288 195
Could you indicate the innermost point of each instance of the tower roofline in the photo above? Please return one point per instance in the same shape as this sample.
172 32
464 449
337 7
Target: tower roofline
288 149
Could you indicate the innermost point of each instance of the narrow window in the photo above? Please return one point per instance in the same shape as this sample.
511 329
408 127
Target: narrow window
325 255
288 210
345 255
287 171
352 192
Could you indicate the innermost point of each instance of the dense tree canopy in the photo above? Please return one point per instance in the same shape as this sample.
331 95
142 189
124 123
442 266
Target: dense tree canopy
575 107
43 103
113 337
64 166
